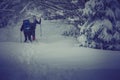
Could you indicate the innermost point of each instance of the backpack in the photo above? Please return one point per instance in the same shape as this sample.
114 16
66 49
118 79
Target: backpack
26 24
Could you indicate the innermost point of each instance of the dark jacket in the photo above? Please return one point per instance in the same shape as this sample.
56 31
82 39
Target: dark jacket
33 25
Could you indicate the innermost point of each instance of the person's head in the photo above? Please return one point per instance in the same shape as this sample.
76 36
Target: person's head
34 17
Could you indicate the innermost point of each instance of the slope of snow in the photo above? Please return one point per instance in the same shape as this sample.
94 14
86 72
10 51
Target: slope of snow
51 60
54 57
61 52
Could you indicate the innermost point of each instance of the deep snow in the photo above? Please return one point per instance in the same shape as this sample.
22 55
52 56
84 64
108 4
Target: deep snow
54 57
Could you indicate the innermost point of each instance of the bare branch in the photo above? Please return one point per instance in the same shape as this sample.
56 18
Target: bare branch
1 10
2 4
6 6
5 3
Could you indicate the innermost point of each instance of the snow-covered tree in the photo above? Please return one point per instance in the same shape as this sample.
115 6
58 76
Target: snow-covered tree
101 28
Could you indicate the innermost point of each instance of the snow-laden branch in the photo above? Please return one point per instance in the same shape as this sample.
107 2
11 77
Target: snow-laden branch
25 7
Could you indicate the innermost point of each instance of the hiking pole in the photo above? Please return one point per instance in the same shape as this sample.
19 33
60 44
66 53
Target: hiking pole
20 36
40 30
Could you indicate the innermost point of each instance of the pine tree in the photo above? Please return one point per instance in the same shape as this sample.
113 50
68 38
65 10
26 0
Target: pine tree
102 24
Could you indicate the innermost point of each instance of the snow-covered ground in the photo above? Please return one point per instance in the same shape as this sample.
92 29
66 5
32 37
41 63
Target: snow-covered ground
54 57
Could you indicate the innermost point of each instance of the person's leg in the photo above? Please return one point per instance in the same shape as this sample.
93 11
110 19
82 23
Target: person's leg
33 34
25 35
29 36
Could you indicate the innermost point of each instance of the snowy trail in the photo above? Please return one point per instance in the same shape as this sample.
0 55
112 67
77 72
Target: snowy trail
51 30
63 55
54 49
40 61
52 55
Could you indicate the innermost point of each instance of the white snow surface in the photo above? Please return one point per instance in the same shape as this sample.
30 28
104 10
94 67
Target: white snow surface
53 50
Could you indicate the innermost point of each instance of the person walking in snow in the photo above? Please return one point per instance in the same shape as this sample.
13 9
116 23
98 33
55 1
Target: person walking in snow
26 28
33 26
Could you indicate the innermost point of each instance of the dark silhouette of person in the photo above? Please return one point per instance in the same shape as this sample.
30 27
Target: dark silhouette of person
33 26
26 28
